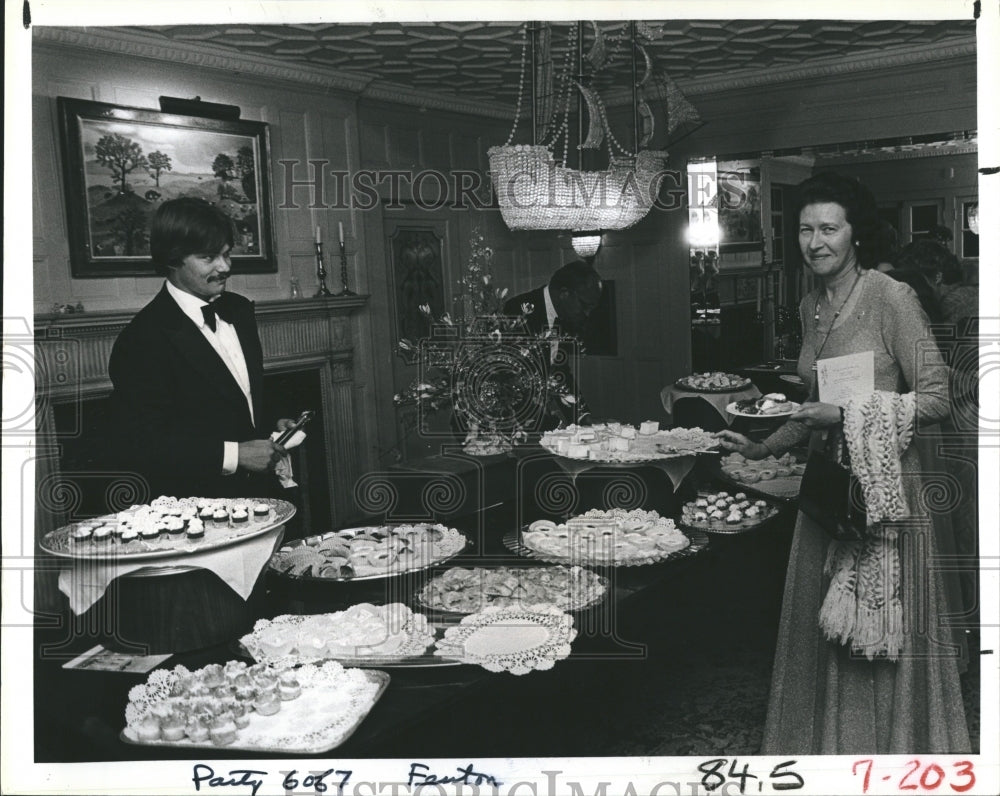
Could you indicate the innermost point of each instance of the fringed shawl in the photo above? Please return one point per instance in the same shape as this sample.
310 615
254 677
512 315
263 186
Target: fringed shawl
863 606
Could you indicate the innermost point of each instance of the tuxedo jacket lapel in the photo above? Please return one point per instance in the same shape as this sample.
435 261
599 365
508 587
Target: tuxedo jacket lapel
252 355
191 345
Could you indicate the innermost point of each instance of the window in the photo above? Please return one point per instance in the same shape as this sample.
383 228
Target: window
970 240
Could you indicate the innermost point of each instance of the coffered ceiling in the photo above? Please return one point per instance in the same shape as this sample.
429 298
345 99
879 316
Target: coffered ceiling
479 62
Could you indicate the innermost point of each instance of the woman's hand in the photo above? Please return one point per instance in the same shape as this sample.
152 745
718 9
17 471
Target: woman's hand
732 441
817 415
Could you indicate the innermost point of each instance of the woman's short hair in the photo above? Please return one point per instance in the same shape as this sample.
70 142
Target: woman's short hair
859 208
187 226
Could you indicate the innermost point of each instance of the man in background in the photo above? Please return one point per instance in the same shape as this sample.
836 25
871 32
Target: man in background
562 307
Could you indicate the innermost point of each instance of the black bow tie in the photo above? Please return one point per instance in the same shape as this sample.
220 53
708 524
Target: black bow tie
220 307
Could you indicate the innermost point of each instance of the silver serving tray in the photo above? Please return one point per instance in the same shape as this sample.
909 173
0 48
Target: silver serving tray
57 542
361 578
514 542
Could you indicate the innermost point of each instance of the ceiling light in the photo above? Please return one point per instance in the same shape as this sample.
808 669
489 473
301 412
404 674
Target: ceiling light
587 245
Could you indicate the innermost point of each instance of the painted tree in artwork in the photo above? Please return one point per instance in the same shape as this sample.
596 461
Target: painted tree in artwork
158 162
120 154
247 170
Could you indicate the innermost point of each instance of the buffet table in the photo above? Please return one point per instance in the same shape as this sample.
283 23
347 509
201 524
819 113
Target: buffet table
651 611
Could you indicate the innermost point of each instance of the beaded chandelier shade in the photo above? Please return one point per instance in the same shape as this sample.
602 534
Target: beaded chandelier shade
538 190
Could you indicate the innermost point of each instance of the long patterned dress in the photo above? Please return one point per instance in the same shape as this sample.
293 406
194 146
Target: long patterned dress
824 700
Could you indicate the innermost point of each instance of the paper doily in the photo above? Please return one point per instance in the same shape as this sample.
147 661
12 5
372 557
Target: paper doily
364 634
515 639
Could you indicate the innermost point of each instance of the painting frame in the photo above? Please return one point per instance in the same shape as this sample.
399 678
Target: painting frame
741 227
107 223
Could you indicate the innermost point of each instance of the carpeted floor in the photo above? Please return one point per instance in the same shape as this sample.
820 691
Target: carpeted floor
709 708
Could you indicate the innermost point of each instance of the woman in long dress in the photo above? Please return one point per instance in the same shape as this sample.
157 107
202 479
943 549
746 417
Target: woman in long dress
827 696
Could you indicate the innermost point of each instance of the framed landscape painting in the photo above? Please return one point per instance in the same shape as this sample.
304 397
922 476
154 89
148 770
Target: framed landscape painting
121 164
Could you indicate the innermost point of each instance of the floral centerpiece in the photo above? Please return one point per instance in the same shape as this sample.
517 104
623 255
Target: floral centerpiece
487 368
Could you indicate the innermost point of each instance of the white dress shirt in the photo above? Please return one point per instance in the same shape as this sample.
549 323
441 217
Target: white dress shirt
226 344
550 319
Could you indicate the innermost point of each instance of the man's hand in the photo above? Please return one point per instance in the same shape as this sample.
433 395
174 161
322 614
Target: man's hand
259 455
284 424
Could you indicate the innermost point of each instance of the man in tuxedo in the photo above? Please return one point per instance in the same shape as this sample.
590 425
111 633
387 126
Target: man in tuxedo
188 369
563 305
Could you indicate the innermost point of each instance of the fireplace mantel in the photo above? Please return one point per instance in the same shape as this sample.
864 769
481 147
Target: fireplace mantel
71 358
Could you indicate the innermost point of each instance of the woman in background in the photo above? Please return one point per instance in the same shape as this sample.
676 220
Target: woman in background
849 677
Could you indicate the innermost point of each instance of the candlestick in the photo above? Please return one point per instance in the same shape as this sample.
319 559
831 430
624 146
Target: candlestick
343 271
320 268
340 231
318 238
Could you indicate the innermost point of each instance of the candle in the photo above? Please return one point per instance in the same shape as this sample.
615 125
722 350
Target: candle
340 231
759 282
318 238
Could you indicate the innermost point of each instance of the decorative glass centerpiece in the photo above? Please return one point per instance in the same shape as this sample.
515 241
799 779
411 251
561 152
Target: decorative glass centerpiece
488 369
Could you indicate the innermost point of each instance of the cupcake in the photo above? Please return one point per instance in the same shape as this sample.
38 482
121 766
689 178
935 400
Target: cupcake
81 534
172 728
212 676
196 731
149 729
129 536
174 526
240 516
288 686
222 731
196 529
150 533
102 535
205 513
261 511
220 516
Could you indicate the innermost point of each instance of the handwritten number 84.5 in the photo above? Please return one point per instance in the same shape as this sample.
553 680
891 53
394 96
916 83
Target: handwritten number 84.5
714 778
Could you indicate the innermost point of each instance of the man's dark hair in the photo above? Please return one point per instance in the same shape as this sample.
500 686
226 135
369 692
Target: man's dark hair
573 276
930 258
187 226
859 206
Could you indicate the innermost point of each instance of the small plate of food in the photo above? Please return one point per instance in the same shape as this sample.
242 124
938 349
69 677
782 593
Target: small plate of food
774 404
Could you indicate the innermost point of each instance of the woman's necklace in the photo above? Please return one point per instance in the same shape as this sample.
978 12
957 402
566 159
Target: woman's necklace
836 315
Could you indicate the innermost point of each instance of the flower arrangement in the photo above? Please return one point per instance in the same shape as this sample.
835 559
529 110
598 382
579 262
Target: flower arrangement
488 368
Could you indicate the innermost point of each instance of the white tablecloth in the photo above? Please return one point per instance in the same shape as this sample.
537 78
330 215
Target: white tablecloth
670 394
239 565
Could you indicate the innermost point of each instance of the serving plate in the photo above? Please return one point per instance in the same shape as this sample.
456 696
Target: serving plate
217 536
645 448
782 487
514 541
615 537
719 526
399 638
731 409
681 384
465 590
318 720
316 557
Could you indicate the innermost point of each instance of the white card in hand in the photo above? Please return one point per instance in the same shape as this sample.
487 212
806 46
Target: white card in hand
846 377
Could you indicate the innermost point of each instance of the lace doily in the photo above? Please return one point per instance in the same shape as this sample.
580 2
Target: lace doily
364 634
464 590
515 639
619 443
333 701
616 537
373 552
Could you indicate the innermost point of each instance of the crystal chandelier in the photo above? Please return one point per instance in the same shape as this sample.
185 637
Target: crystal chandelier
536 187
